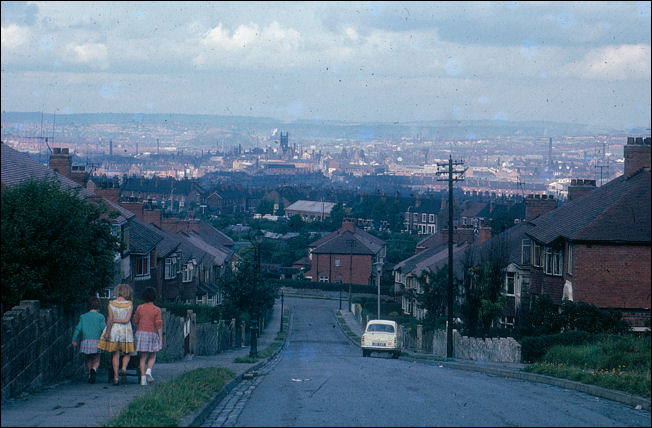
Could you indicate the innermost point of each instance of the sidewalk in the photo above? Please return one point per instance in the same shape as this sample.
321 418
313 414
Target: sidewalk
77 403
510 370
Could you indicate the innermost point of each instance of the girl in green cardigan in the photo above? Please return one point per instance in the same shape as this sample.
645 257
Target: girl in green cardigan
90 328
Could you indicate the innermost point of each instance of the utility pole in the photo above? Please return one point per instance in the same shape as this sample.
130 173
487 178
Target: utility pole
351 244
453 175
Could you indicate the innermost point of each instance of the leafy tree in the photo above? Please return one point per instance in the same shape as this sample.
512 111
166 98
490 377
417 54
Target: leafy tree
337 214
55 248
266 206
247 293
435 297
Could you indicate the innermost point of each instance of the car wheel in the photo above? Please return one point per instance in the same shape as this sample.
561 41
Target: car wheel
365 353
396 354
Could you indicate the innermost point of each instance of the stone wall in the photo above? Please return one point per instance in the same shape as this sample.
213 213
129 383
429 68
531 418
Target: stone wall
500 350
37 348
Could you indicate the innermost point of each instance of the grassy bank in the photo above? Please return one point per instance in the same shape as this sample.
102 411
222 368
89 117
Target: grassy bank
620 363
171 401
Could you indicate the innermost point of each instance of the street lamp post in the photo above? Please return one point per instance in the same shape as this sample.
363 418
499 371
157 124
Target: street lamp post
379 269
281 329
253 352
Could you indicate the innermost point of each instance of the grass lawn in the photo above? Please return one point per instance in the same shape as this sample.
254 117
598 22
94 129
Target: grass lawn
171 401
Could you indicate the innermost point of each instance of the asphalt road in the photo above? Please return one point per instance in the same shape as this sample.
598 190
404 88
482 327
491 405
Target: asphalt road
321 379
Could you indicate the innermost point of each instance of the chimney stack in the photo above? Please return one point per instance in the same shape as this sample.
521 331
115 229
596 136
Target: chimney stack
61 161
579 187
536 205
637 154
347 224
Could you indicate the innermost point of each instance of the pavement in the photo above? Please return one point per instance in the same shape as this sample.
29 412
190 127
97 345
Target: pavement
75 402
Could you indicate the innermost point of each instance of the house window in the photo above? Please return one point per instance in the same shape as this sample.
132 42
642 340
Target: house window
323 278
186 273
338 262
507 321
423 217
171 267
553 263
537 255
431 218
525 252
416 216
570 259
142 266
509 285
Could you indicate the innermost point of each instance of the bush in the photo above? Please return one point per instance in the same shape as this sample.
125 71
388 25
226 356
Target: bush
534 348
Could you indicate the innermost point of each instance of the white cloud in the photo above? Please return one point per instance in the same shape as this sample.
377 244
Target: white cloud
615 63
14 36
88 53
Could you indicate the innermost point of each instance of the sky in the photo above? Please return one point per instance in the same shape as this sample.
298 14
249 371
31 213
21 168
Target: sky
574 62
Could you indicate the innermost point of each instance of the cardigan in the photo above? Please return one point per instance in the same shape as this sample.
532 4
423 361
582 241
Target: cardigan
90 326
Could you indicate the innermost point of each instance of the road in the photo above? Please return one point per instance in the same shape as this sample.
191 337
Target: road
321 379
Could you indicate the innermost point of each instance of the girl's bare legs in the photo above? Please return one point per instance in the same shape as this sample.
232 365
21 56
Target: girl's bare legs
152 360
115 360
125 362
96 361
143 357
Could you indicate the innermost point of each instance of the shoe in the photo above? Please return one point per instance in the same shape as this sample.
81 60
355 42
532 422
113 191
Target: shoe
116 382
148 374
91 376
143 380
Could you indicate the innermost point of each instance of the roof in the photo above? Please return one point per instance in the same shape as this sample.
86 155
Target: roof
188 249
143 238
123 213
366 243
214 236
156 185
512 240
474 209
221 254
617 212
434 259
18 166
311 206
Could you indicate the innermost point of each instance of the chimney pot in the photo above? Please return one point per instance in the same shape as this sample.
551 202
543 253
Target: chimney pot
630 140
639 140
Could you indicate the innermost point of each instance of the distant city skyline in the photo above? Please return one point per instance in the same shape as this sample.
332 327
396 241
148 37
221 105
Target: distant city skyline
571 62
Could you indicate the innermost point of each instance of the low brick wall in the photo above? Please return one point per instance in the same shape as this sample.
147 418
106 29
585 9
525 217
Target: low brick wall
36 347
500 350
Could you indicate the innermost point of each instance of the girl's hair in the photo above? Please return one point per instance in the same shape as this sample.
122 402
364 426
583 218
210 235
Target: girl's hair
123 290
149 295
93 303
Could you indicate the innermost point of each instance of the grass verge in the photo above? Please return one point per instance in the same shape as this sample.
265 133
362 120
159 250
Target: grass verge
271 349
620 363
345 327
171 401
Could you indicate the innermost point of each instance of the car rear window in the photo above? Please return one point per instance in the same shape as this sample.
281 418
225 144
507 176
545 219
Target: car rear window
383 328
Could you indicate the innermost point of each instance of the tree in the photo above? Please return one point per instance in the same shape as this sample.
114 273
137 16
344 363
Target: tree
246 292
265 206
434 297
55 248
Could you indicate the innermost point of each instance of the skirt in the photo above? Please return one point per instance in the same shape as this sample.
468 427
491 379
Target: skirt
89 346
147 341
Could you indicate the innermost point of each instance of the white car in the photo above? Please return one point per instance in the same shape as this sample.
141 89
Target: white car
381 336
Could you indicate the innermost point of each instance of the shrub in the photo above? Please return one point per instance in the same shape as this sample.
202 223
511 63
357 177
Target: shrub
534 348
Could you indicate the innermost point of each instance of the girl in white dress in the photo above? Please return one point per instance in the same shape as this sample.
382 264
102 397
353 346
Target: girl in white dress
118 336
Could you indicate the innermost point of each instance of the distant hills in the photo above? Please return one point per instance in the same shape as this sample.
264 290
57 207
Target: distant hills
331 129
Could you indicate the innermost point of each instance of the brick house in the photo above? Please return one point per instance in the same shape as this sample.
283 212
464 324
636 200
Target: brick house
422 215
596 248
345 256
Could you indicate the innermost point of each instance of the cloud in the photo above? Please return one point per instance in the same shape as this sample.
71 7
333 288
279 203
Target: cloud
14 36
248 42
88 53
615 63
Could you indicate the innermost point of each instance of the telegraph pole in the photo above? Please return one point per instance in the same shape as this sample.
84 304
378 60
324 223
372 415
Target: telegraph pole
453 175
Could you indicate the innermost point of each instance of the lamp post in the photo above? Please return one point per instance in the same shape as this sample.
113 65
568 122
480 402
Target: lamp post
379 269
253 352
281 329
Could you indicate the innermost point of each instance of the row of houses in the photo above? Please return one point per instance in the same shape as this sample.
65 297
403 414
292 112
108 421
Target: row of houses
594 249
184 259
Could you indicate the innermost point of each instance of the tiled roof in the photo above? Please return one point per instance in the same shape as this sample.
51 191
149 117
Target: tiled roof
512 238
214 236
339 244
124 214
157 185
434 259
368 243
18 166
188 249
221 254
143 238
618 211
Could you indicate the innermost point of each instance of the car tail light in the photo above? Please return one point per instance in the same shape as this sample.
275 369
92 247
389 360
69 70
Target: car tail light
362 339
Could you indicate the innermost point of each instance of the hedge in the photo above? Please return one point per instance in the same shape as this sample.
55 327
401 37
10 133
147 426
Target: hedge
533 348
